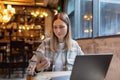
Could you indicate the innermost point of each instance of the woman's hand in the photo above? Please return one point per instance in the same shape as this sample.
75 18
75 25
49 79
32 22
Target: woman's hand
44 64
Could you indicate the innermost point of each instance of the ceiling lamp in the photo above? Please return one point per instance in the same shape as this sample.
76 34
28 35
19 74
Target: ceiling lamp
6 13
40 12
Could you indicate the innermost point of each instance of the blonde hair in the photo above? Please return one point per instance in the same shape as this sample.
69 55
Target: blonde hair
67 40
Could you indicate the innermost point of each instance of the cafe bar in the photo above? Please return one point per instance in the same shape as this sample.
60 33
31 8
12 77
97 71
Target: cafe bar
59 39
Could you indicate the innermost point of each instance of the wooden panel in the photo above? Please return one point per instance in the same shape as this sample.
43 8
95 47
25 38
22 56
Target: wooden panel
29 1
18 2
105 45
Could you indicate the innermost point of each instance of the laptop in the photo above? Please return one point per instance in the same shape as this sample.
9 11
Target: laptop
91 67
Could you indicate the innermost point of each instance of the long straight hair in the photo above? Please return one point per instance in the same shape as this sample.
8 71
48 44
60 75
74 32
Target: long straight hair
67 39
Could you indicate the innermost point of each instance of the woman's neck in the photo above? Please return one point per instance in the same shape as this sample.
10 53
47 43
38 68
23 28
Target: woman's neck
61 40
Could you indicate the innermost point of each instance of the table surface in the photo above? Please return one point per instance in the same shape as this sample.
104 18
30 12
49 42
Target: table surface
49 75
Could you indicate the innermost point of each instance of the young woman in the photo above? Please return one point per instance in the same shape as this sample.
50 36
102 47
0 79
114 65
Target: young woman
57 52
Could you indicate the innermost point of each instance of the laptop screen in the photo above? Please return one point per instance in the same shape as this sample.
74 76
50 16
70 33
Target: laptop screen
91 67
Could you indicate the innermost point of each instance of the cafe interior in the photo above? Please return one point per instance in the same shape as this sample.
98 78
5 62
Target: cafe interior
24 24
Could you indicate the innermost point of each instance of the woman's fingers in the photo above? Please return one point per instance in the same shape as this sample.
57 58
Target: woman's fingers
44 64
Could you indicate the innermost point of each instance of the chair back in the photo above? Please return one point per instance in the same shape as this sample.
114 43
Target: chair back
17 45
3 51
17 50
18 56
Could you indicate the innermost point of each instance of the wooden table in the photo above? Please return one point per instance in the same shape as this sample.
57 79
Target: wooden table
48 75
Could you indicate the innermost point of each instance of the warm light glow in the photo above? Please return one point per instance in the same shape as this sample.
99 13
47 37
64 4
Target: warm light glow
37 12
40 12
6 18
9 7
45 14
23 27
41 16
32 26
13 10
87 17
20 27
7 13
28 28
87 30
55 12
4 27
31 35
32 13
19 30
42 37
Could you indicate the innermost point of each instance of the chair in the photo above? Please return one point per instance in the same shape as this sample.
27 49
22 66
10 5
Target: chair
3 51
29 50
18 57
4 64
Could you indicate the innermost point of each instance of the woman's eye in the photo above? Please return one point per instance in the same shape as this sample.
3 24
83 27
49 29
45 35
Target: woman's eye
55 27
61 27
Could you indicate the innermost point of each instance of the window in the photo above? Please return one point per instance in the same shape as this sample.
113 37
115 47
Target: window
83 19
96 18
109 17
86 18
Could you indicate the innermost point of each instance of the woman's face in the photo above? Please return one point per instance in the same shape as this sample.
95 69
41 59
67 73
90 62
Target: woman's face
59 29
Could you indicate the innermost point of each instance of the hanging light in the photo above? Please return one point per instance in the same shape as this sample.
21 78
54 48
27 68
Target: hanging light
6 13
40 12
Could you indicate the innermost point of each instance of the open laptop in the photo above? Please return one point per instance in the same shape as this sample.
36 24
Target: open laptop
91 67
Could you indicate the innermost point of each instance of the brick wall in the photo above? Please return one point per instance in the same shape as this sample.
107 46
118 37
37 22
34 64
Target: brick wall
105 45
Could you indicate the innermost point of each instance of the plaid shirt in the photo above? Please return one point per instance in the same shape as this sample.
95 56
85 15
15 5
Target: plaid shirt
44 51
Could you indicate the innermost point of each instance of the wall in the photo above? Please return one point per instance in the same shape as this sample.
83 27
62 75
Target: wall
105 45
48 24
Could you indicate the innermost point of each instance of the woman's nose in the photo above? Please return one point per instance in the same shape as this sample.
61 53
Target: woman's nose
58 29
